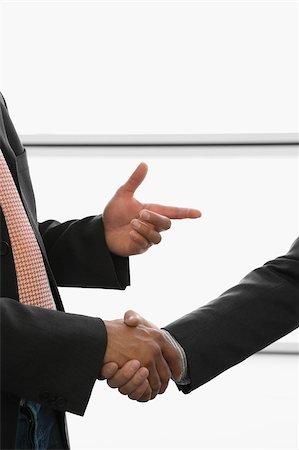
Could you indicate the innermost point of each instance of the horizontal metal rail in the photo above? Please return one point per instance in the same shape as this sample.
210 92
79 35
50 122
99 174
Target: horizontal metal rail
281 348
160 140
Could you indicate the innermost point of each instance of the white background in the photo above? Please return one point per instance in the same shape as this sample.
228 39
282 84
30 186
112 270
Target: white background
169 67
151 67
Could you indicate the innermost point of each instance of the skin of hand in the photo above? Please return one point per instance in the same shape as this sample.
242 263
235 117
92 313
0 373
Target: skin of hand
144 344
128 379
132 227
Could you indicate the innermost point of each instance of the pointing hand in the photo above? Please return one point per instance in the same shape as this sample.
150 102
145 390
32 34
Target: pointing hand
131 227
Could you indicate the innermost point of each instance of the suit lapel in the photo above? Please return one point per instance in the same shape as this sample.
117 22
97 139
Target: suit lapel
12 162
7 151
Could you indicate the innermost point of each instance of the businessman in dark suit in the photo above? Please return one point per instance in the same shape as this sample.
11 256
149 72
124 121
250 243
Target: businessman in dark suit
50 359
262 308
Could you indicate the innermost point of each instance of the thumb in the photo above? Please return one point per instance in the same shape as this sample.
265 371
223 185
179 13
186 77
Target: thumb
135 179
132 318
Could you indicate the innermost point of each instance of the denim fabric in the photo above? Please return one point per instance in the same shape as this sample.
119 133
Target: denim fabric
36 424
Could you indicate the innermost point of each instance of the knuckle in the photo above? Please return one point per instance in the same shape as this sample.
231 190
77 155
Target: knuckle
156 350
134 235
156 386
158 337
141 376
144 211
140 391
134 396
124 390
146 244
126 372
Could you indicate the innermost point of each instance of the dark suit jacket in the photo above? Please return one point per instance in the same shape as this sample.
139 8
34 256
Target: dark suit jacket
246 318
50 357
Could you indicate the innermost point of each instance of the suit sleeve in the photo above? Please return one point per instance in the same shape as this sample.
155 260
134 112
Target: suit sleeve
262 308
50 357
79 257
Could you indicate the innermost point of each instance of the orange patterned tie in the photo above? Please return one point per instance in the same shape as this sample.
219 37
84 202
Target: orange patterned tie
32 278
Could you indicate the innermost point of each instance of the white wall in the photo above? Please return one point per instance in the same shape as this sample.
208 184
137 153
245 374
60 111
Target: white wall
151 66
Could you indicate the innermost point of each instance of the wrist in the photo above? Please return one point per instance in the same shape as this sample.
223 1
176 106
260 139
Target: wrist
181 378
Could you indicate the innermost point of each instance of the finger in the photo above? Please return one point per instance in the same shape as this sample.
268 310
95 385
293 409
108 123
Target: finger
141 242
143 393
135 179
146 396
159 222
138 383
162 366
165 375
154 380
151 235
158 367
109 370
125 374
132 319
174 212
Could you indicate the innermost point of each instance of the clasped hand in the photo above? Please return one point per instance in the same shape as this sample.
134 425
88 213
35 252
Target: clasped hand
139 360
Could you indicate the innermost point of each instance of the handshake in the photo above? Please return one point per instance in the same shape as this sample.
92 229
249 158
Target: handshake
140 358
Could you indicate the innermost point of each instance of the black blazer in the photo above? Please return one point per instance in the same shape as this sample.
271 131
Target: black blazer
246 318
50 356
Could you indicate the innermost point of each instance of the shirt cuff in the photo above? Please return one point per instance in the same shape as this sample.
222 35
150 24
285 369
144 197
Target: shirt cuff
184 376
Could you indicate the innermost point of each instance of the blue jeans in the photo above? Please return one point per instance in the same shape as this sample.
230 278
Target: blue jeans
37 427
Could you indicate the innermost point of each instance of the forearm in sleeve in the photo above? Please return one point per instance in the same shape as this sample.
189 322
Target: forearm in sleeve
49 356
262 308
79 256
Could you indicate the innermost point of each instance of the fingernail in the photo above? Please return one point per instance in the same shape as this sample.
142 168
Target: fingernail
145 215
135 365
136 223
143 372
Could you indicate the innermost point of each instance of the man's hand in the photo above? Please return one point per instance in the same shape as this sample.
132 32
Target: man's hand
144 344
130 379
132 227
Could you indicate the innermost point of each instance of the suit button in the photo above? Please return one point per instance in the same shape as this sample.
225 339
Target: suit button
60 402
4 248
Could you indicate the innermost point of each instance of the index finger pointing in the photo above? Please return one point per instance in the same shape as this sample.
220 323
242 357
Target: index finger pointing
174 212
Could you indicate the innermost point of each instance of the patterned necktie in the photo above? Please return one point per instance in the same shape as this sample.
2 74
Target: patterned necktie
32 278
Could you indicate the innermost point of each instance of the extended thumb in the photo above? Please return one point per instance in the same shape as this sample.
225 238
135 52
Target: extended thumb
132 318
